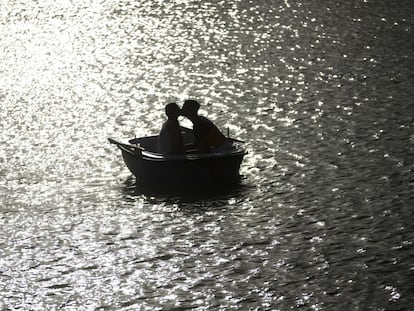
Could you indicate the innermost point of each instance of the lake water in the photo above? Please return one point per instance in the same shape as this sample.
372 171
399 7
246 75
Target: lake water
322 93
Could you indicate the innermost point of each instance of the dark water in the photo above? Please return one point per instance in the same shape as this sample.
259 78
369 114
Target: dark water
322 93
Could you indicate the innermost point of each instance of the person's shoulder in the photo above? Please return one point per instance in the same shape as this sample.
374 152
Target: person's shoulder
168 123
205 120
171 125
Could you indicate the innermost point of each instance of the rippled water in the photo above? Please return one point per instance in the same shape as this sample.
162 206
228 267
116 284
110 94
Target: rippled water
322 93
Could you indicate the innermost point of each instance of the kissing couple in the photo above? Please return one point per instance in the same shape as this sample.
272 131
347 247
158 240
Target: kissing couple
207 137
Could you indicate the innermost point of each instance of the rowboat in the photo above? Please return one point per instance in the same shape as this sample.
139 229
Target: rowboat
191 168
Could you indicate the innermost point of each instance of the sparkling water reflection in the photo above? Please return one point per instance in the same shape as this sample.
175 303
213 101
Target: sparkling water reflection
322 94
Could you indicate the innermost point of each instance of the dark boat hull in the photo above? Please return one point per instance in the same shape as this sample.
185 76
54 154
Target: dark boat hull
192 169
222 170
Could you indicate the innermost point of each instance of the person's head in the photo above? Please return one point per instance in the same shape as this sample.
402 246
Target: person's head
190 108
172 111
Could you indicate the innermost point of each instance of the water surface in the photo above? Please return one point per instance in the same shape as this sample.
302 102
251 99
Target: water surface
321 93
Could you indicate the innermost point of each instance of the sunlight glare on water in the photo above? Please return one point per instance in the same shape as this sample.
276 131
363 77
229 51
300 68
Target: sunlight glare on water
321 93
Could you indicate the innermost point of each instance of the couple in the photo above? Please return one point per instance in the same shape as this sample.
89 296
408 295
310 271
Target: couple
207 137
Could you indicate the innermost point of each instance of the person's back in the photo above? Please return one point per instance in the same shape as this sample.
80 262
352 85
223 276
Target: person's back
170 140
206 135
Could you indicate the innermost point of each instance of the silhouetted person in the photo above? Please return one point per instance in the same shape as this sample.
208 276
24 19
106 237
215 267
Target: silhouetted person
207 137
170 140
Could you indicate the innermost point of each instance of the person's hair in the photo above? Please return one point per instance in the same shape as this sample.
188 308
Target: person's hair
172 110
191 105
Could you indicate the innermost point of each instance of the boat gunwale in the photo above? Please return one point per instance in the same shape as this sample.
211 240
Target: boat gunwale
152 156
141 153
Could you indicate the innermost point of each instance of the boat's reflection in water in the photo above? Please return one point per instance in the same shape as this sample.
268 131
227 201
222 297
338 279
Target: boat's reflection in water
215 195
